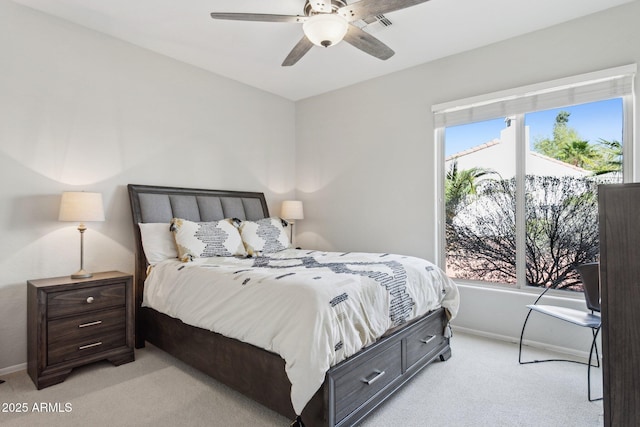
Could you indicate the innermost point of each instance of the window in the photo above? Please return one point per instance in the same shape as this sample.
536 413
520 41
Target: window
480 238
519 177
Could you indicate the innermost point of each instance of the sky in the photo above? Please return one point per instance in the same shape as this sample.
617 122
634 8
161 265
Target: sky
592 121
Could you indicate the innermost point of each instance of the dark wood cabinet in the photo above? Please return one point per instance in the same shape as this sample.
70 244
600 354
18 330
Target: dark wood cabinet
619 213
72 322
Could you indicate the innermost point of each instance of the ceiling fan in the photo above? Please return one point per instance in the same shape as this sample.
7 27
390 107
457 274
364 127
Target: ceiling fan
327 22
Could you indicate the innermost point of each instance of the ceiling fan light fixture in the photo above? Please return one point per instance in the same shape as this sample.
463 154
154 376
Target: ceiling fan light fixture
325 29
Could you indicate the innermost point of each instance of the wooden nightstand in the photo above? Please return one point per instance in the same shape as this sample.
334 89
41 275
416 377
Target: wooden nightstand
72 322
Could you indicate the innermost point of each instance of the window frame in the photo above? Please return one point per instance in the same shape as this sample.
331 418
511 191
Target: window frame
516 95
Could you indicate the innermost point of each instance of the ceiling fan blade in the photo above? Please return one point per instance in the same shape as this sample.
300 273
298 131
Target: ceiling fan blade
260 17
367 43
366 8
298 51
321 6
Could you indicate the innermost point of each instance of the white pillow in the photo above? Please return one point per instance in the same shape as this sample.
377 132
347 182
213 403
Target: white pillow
267 235
206 239
157 242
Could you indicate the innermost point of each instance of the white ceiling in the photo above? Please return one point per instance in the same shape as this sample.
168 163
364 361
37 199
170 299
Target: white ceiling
251 52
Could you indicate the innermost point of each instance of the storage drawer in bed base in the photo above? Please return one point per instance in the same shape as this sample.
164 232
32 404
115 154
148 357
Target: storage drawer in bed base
408 361
260 375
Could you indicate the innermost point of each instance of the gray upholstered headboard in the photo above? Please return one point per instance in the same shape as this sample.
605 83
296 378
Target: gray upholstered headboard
161 204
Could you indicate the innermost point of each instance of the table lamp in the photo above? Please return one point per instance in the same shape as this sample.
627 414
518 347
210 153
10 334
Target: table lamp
80 206
292 210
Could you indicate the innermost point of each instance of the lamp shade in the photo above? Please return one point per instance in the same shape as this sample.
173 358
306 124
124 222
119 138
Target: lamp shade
325 29
292 209
80 206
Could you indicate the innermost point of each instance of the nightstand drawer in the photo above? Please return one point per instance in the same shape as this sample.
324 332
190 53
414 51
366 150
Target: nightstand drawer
362 381
423 340
82 347
86 325
86 299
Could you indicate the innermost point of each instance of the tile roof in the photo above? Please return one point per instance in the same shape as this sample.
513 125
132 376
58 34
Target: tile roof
491 143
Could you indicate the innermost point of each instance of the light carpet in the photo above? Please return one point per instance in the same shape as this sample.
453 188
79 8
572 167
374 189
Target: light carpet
481 385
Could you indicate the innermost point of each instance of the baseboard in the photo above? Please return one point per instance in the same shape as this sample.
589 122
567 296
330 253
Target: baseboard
11 369
582 355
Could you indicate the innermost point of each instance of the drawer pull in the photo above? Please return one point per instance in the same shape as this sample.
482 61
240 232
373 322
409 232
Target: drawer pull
377 376
84 325
95 344
89 300
428 340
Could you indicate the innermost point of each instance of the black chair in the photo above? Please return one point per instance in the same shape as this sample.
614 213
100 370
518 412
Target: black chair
590 274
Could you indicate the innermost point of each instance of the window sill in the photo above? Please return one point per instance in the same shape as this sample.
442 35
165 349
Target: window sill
530 290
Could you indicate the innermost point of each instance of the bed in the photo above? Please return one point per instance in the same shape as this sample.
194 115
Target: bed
349 389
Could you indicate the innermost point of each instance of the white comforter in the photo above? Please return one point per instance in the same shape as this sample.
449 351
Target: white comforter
312 308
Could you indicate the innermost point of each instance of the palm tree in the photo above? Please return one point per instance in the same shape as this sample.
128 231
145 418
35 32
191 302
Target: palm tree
579 153
459 184
611 153
562 135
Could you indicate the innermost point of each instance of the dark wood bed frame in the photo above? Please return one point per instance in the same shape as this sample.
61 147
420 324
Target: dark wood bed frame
352 388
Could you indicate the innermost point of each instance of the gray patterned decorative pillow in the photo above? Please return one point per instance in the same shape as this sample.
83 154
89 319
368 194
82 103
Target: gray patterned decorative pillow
267 235
206 239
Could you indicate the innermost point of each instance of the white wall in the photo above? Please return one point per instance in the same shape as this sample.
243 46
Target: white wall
367 177
83 111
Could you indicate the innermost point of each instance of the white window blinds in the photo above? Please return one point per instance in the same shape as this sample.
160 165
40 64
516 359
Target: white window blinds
596 86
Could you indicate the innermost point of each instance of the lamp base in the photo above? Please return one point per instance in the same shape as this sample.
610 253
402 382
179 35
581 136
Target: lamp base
81 274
